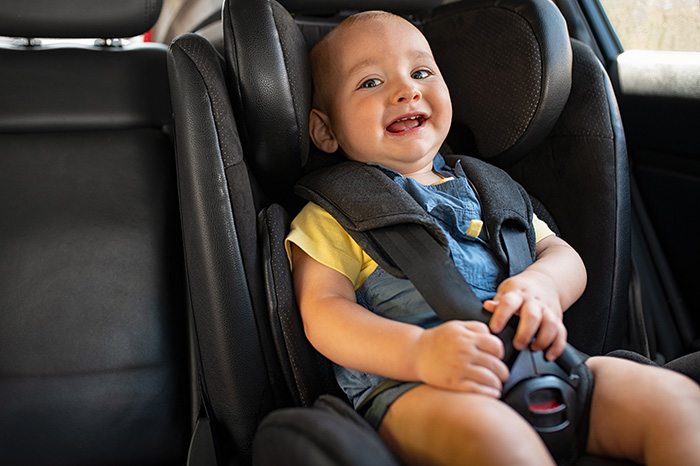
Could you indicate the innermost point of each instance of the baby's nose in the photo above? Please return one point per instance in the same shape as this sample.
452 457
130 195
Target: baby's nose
407 94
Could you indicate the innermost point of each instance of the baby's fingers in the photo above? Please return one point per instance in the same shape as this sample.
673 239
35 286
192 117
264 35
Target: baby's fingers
470 386
550 327
558 345
493 360
486 341
484 375
503 308
529 325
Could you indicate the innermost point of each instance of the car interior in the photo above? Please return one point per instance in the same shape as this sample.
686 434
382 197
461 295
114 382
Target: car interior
148 315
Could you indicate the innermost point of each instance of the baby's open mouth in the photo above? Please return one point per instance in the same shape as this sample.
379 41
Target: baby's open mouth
406 124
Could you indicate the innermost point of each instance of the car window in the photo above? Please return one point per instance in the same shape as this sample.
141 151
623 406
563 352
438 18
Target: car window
662 25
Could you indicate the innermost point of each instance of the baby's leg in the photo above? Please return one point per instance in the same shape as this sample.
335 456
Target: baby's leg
430 426
644 413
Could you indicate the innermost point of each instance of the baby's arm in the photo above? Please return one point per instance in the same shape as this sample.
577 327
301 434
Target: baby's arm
540 295
460 356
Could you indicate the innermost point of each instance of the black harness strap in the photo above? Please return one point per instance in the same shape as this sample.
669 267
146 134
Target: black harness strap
515 244
436 277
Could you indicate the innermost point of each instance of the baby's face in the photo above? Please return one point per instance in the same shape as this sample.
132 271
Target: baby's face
388 102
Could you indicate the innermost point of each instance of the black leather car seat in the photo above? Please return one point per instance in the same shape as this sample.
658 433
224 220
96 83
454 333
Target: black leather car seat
242 138
94 365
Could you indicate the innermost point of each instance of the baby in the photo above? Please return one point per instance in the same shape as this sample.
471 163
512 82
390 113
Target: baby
432 389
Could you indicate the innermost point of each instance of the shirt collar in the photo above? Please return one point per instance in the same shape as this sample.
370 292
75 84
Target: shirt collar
439 165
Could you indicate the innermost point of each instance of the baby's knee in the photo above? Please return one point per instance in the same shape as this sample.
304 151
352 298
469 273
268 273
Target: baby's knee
682 396
435 426
500 433
662 392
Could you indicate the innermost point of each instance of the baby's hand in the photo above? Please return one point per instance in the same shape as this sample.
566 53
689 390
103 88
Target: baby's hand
531 296
461 356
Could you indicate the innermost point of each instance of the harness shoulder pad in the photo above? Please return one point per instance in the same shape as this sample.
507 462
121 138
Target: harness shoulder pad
361 198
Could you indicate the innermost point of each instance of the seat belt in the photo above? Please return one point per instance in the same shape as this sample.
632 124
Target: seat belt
553 396
433 272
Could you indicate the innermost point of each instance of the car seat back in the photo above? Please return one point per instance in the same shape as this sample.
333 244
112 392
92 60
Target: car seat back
93 340
525 97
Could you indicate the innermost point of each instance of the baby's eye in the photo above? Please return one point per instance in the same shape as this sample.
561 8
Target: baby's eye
374 82
421 74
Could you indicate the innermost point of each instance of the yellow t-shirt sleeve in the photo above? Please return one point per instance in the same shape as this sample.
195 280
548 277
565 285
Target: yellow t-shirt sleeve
320 236
542 230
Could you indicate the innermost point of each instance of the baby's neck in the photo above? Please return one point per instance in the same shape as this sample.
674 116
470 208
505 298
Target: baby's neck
426 177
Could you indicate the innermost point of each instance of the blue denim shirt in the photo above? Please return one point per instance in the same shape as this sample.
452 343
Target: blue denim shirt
453 204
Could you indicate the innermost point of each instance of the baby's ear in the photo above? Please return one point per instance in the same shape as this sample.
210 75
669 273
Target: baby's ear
320 131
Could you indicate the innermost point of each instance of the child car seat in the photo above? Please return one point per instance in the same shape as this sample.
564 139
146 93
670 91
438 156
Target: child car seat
242 145
552 136
93 333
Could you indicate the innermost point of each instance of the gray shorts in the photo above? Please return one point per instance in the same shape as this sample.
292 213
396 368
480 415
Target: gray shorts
374 407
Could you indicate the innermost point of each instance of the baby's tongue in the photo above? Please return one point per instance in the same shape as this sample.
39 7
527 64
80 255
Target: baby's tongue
402 125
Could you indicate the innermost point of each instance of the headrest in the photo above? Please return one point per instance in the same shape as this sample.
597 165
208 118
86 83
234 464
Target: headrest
507 65
68 19
333 6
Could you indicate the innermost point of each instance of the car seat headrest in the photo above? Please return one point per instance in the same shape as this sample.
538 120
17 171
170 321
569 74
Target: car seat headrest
508 67
70 19
507 64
